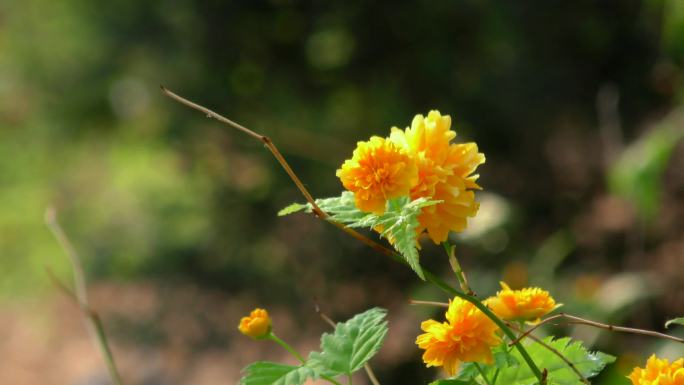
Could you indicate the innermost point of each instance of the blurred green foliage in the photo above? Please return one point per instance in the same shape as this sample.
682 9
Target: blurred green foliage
150 190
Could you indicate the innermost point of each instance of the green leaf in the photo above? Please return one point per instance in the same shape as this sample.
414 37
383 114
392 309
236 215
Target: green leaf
352 343
588 363
676 321
293 208
271 373
398 223
453 382
502 359
637 173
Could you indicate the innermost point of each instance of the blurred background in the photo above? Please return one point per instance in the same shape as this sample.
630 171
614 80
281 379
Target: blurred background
577 106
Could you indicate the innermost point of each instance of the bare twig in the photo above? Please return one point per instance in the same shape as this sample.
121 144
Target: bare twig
429 303
553 350
329 321
80 297
262 138
283 163
572 319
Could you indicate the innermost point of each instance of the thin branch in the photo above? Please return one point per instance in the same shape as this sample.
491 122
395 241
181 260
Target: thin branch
70 251
365 240
429 303
583 321
262 138
553 350
329 321
456 267
80 298
536 326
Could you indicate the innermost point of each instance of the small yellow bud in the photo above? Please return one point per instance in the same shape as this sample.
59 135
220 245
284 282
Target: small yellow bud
256 325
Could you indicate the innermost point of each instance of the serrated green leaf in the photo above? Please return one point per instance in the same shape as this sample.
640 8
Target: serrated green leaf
271 373
588 363
293 208
352 343
398 223
502 359
676 321
453 382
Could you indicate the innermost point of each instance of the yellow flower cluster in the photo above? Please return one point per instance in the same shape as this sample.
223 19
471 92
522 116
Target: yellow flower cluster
256 325
419 161
468 335
659 372
528 304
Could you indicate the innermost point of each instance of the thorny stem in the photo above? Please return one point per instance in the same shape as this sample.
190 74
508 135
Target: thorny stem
554 351
80 297
366 366
456 267
376 246
583 321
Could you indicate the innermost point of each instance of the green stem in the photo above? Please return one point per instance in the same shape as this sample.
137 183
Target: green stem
287 347
482 373
507 331
498 370
330 379
456 266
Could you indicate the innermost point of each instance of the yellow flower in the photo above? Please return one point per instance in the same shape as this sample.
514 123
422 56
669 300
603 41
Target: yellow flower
256 325
659 372
528 304
378 171
467 336
445 172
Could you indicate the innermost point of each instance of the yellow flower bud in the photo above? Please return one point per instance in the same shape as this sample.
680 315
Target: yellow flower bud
256 325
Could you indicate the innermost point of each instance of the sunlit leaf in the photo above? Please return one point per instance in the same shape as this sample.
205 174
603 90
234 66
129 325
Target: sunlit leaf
453 382
587 363
675 321
271 373
352 343
293 208
397 224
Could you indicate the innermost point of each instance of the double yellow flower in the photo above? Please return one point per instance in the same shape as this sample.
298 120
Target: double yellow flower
421 162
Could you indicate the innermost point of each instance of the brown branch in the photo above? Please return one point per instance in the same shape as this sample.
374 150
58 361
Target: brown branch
583 321
552 349
80 297
262 138
533 328
283 163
